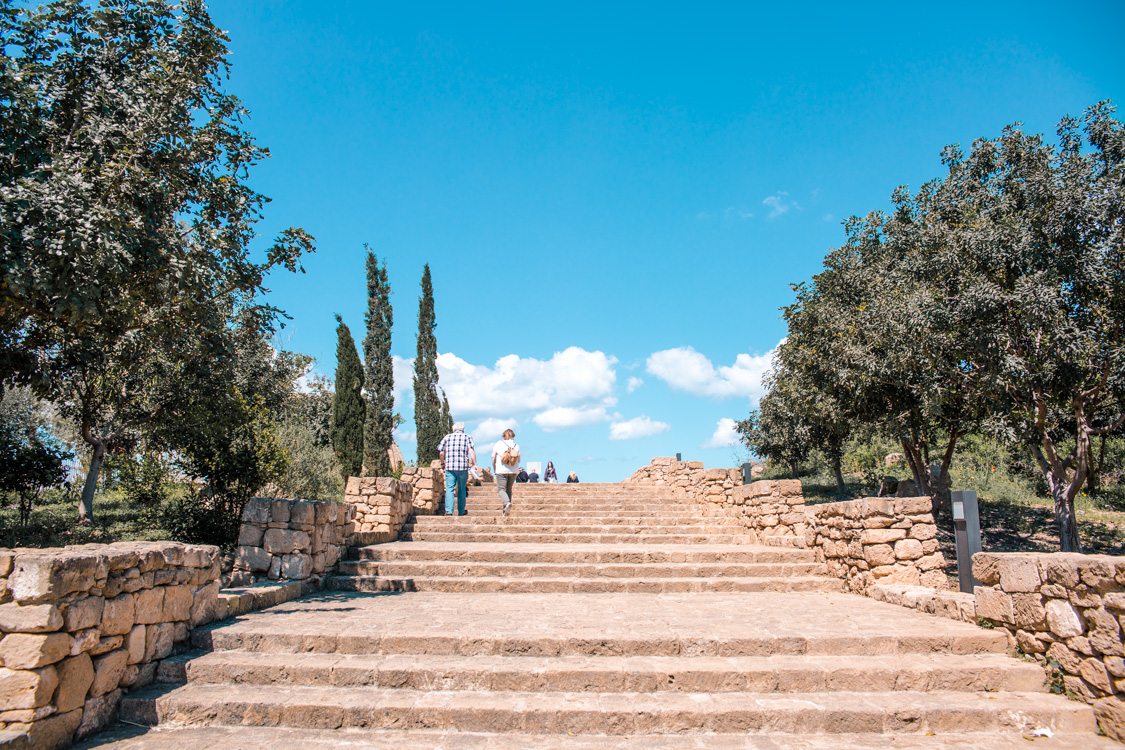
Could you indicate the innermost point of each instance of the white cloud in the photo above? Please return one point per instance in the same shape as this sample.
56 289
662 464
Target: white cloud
827 217
726 433
779 203
633 384
637 427
492 428
566 417
686 369
737 213
404 385
571 378
405 436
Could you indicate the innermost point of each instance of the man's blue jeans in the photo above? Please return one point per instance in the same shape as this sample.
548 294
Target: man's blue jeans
455 482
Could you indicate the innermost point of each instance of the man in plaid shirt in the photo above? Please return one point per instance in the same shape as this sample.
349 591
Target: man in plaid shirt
457 454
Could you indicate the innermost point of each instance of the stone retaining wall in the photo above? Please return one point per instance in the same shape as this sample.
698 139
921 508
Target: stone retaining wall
80 624
878 540
428 486
774 510
1068 610
290 540
711 488
382 505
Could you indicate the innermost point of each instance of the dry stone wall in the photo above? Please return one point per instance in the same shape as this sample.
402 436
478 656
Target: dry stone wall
427 485
78 625
878 540
1068 610
290 540
774 510
382 505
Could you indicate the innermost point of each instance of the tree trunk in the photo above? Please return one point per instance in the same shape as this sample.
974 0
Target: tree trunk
86 504
1065 516
839 478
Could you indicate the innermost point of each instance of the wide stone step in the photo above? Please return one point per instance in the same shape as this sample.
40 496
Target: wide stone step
466 525
785 674
579 553
271 738
606 713
409 568
483 584
599 521
568 538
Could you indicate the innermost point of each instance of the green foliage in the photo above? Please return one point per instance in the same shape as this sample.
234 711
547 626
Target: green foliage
30 459
143 477
348 406
428 415
379 372
126 218
311 472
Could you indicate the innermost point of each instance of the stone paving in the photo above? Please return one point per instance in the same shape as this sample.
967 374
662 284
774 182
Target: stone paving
799 670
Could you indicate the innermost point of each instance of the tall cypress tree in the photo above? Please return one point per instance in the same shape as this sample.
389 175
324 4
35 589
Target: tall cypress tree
348 407
379 392
427 405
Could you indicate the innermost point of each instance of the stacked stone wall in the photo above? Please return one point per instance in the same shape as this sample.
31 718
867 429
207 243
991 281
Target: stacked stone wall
774 510
290 540
1068 610
428 486
382 505
878 540
78 625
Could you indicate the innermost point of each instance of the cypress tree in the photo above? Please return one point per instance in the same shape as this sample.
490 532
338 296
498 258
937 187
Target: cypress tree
446 416
348 408
427 406
379 422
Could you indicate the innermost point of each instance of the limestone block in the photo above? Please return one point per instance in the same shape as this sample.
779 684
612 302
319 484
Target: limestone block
159 641
986 568
177 603
923 531
48 575
76 674
908 549
1028 611
254 559
1094 672
279 511
936 579
275 569
108 670
1028 643
1062 568
135 644
302 512
1097 572
282 542
993 604
296 567
1067 659
250 535
98 713
85 641
29 618
33 650
27 688
1115 600
879 554
1110 713
1063 619
56 730
1081 644
203 604
905 506
1104 632
1019 573
149 606
109 643
882 536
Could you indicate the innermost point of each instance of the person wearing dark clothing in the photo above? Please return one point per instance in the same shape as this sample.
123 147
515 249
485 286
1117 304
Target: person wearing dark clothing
533 477
572 479
522 476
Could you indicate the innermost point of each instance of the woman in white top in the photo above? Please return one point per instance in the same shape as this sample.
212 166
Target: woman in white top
505 470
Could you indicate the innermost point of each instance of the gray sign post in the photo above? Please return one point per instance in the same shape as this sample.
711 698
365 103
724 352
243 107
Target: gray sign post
747 472
966 529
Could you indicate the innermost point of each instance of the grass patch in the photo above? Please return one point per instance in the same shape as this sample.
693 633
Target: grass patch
54 522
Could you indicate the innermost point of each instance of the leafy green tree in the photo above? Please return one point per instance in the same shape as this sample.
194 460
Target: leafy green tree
304 427
774 432
379 372
348 406
428 420
126 214
30 459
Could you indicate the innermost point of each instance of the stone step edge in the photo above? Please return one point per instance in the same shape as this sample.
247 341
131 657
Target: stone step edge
591 584
784 674
212 638
608 713
270 738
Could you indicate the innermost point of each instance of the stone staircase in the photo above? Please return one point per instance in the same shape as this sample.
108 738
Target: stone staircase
596 616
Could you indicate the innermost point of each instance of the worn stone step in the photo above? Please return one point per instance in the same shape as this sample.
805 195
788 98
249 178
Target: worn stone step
579 553
785 674
130 737
466 525
496 584
515 520
606 713
564 538
410 568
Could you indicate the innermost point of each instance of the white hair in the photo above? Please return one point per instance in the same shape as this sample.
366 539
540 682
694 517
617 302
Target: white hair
458 426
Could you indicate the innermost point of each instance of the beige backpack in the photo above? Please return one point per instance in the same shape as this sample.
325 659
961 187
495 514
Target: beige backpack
511 455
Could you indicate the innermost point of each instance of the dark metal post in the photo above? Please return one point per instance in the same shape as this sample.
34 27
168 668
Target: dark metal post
678 457
747 472
966 525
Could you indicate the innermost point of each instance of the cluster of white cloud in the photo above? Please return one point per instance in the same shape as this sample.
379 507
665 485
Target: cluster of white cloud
576 388
637 427
686 369
779 203
726 434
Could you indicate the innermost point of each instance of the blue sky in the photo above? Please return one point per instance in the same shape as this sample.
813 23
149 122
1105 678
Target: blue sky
614 199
